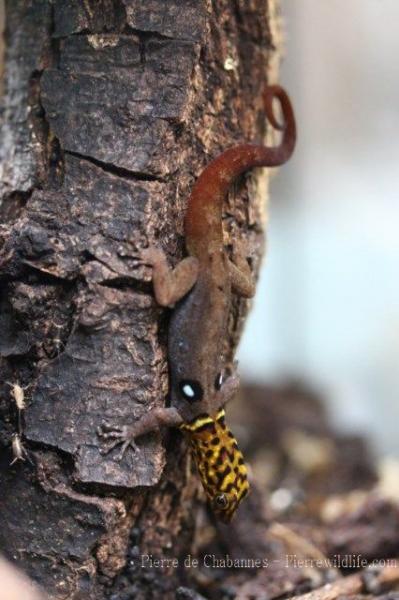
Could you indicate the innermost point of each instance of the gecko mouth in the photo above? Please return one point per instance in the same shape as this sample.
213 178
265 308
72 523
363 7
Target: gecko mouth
219 462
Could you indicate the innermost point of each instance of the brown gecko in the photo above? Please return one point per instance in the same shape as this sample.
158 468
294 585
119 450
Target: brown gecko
200 289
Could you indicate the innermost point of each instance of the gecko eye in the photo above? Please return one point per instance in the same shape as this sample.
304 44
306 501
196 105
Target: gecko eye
191 390
221 502
219 380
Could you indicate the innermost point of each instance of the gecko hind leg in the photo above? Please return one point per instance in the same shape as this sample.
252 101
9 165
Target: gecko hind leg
170 285
241 279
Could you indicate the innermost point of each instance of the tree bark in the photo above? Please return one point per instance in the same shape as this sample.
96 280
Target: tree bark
111 109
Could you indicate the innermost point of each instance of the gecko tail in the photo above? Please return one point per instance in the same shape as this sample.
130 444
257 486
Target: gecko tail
287 126
203 221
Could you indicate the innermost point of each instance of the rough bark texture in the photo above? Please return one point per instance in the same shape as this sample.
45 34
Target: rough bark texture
111 108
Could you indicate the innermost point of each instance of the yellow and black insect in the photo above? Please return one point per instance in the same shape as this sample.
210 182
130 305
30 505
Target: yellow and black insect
219 462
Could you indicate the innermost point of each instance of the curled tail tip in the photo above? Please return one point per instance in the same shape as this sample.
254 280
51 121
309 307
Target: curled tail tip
276 91
288 126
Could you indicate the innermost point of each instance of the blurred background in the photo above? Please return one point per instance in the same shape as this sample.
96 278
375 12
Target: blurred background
327 307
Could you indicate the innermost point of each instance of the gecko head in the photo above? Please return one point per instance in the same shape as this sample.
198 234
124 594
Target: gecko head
197 395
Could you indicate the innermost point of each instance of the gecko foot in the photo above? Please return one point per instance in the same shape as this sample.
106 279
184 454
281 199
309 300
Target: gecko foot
148 256
151 256
118 435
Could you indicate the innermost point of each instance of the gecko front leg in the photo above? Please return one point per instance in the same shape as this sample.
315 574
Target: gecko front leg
229 389
170 285
126 434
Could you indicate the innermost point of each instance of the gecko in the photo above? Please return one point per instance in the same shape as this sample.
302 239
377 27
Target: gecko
200 289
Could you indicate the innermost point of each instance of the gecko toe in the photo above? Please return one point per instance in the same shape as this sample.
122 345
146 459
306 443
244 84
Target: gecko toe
115 436
106 431
128 442
106 449
151 255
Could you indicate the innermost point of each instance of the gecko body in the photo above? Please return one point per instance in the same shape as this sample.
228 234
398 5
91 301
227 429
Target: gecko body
200 290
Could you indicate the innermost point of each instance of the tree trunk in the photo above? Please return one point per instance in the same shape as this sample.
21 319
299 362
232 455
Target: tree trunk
111 109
